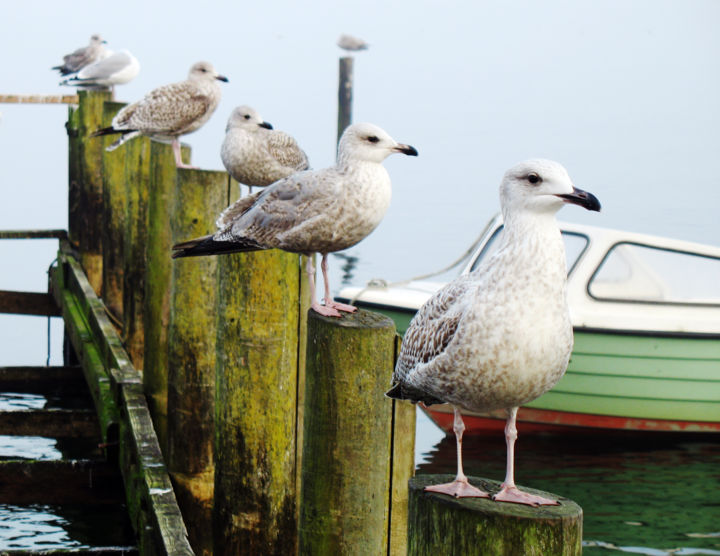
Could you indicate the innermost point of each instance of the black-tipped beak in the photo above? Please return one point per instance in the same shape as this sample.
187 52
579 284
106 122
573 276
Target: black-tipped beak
406 149
582 198
221 78
266 125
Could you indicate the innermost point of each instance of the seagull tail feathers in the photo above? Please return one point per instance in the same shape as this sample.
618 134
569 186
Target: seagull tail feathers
127 134
206 245
400 391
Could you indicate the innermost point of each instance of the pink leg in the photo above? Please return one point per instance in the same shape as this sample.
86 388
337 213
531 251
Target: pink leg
509 492
328 298
460 487
314 304
178 156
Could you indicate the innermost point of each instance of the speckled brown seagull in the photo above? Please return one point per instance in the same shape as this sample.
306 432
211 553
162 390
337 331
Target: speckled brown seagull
168 112
500 336
316 211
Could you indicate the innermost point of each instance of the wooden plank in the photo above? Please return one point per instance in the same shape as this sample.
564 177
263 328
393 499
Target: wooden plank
39 99
40 374
51 423
628 366
647 346
28 303
33 234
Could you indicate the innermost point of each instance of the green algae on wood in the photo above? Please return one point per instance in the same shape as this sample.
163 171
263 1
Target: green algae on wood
86 183
256 394
346 472
199 197
441 524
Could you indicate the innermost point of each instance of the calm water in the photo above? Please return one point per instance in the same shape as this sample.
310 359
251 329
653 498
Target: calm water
640 493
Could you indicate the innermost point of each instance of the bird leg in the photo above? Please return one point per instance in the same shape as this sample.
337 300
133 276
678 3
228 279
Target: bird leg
178 156
314 304
460 487
508 491
328 298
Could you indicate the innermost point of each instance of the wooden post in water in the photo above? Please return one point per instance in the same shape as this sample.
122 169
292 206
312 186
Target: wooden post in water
200 196
86 183
156 309
114 206
347 474
137 179
345 88
256 397
440 524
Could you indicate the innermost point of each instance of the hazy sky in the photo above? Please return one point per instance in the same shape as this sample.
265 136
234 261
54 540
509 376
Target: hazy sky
624 93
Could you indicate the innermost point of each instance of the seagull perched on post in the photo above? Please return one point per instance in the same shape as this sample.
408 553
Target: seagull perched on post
78 59
255 154
316 211
168 112
117 68
500 336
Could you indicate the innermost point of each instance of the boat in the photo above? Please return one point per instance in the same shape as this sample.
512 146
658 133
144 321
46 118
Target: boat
646 318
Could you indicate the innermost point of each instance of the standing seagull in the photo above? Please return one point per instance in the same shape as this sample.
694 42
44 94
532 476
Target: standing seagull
255 154
117 68
77 60
500 336
168 112
316 211
351 44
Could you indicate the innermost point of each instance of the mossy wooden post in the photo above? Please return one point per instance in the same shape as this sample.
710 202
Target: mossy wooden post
85 188
200 195
156 308
137 180
348 436
440 524
256 397
114 207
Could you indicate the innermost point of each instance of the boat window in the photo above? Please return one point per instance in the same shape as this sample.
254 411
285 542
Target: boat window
575 245
641 273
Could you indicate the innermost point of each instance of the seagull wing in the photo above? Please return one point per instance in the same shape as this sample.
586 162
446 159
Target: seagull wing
171 108
102 69
286 151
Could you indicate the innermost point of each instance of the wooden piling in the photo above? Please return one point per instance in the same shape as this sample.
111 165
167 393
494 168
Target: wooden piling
348 437
199 197
156 308
85 187
256 397
114 206
440 524
345 88
137 178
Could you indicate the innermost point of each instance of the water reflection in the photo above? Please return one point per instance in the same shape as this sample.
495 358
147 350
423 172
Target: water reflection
640 493
348 268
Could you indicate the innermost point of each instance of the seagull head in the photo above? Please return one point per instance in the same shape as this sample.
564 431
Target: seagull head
369 143
205 71
541 186
246 118
97 40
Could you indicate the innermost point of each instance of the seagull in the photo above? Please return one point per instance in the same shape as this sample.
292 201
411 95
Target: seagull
257 155
351 44
316 211
500 336
117 68
168 112
82 57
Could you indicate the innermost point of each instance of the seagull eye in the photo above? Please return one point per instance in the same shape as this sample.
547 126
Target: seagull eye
534 178
373 139
246 116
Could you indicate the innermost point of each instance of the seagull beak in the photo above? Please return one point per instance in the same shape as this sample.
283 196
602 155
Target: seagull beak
221 78
266 125
405 149
583 198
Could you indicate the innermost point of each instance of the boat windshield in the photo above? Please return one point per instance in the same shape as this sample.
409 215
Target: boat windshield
575 245
641 273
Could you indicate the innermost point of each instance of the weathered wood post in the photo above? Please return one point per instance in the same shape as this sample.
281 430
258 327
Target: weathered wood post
85 188
347 474
156 308
200 195
137 180
114 207
345 88
256 397
440 524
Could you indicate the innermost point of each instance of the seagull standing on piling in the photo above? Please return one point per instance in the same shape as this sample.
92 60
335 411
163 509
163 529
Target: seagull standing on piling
78 59
255 154
316 211
117 68
168 112
500 336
